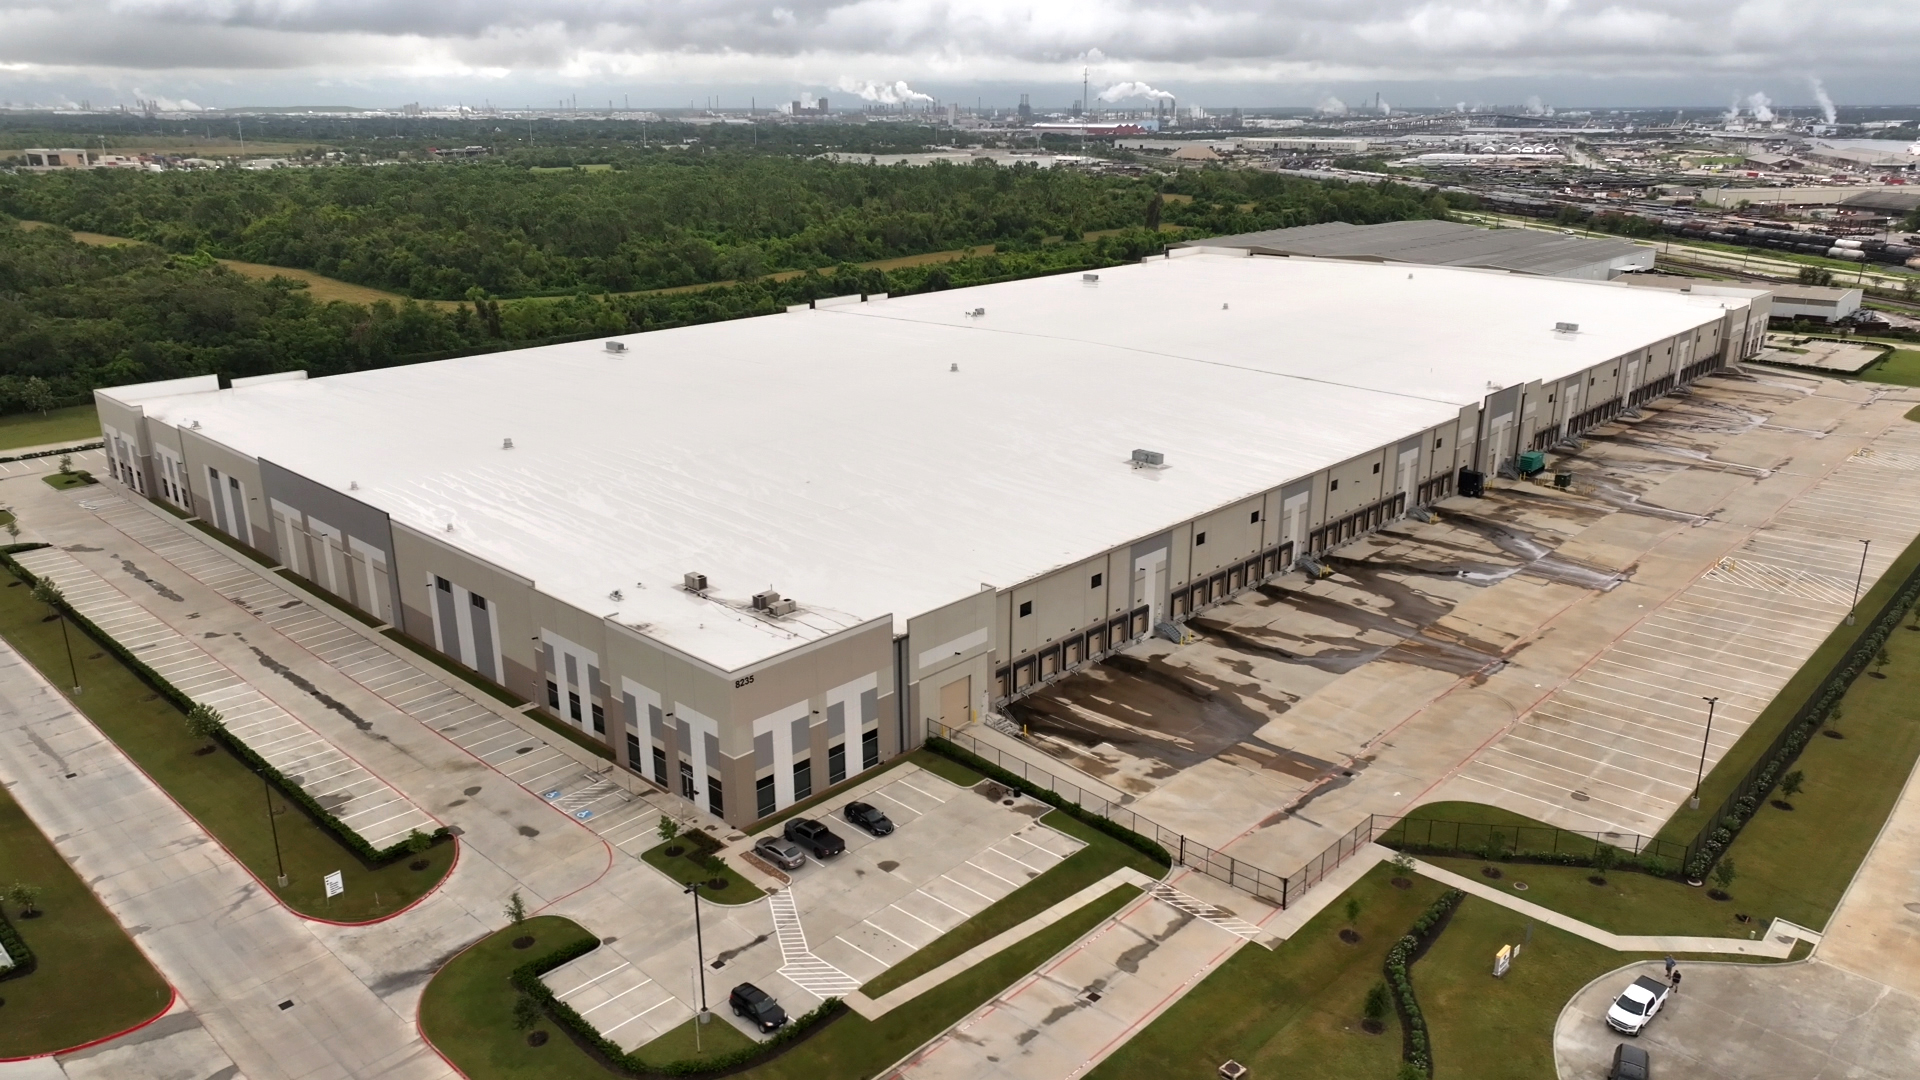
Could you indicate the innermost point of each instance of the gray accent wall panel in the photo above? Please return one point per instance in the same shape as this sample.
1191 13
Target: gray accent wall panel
449 626
483 638
802 741
656 723
763 751
365 523
869 707
713 754
631 710
836 720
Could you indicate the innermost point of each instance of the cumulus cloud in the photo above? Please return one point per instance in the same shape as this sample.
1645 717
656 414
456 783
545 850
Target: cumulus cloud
715 43
1124 90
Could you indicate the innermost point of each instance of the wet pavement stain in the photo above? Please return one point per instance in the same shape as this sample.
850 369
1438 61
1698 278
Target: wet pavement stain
728 954
81 547
332 703
528 830
140 575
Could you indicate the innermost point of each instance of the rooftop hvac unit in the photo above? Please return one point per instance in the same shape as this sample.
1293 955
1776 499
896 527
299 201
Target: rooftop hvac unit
761 600
616 346
1090 279
695 583
782 606
1148 458
1566 328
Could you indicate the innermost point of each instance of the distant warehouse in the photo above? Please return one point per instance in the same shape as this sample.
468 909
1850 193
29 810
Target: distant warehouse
758 557
1449 243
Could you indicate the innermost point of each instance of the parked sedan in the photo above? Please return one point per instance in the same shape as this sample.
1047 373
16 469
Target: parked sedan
1636 1005
781 852
868 817
752 1004
815 837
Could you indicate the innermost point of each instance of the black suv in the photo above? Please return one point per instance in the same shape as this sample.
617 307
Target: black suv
752 1003
815 837
868 817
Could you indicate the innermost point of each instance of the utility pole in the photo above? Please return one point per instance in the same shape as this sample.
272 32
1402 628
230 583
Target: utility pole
1701 773
1858 579
273 825
699 951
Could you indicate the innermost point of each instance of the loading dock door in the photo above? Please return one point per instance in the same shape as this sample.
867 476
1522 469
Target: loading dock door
1293 522
1409 466
954 710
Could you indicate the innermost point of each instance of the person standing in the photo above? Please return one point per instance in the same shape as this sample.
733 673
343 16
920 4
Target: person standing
1671 964
1676 981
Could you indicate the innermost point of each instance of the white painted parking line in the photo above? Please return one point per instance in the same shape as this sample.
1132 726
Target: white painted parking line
990 873
861 951
928 794
975 892
569 993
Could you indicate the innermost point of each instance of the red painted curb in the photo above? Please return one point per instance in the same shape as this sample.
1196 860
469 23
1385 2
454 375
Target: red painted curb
173 997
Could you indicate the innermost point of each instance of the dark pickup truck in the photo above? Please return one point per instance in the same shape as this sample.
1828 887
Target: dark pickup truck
815 837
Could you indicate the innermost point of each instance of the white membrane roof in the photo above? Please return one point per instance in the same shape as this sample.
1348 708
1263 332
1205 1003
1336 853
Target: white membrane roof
835 455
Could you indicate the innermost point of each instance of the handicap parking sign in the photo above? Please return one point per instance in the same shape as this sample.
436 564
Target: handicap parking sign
552 795
583 814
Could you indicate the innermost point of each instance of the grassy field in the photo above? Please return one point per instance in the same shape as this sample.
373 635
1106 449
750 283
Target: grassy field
1295 1011
220 792
1501 1029
1900 368
73 425
683 869
1792 864
60 481
1102 856
467 1010
1686 823
320 286
91 982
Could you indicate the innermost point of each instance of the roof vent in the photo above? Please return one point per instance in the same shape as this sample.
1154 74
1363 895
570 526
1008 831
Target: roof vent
506 444
695 583
761 600
1090 279
616 346
353 485
976 313
782 606
196 425
1149 459
1223 307
955 366
616 596
1566 328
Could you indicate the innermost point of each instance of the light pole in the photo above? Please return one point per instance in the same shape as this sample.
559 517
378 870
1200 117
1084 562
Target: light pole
1701 774
1858 579
699 951
72 671
273 826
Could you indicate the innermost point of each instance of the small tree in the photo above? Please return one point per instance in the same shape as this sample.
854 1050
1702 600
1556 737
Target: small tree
37 395
1881 659
1605 858
1402 863
49 594
66 464
516 908
1375 1007
526 1012
1353 910
23 896
1792 783
204 722
1724 874
668 829
418 842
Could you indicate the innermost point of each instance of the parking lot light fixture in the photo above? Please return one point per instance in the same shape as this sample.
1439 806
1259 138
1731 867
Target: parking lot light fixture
1858 579
699 948
1701 773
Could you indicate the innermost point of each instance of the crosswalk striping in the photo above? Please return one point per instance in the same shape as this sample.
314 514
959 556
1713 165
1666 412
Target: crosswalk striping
799 964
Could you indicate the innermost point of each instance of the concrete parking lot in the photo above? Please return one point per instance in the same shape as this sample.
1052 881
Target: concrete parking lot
1751 1022
1541 650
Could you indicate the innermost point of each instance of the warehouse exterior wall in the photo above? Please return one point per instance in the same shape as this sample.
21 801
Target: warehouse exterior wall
339 545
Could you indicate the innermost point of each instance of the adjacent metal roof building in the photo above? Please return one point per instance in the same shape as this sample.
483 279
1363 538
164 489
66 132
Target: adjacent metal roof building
1449 243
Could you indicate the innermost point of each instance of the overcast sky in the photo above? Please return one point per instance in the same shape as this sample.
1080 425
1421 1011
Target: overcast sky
226 53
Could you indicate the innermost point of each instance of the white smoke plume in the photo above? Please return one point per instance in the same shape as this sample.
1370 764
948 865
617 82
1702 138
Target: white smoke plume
893 93
1760 106
1536 107
1733 110
1331 106
1120 91
1385 109
167 104
1459 106
1819 88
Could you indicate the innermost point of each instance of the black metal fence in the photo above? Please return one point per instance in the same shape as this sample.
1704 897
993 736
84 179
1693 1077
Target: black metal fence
1715 835
1482 839
1257 881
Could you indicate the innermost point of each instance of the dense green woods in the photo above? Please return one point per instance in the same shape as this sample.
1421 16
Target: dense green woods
656 221
76 316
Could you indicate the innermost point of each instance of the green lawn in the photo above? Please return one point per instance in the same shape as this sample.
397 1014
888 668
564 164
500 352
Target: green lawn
1501 1029
220 792
1686 823
467 1008
76 424
90 982
1900 367
1102 856
1295 1011
683 869
60 481
945 768
1632 903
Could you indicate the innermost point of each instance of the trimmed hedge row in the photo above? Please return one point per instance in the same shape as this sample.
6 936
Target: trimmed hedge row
1074 810
526 979
1714 838
53 453
1416 1048
353 841
1645 864
23 958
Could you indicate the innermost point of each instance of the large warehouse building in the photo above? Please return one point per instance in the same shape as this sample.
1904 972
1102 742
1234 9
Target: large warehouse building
757 557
